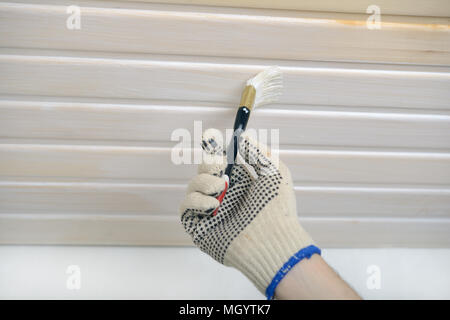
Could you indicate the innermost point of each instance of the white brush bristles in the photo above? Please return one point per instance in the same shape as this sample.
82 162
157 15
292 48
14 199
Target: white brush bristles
268 85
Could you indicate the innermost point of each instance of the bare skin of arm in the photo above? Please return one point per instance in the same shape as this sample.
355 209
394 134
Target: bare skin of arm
314 279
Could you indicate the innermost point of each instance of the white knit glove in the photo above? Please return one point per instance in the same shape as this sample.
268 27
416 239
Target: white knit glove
256 229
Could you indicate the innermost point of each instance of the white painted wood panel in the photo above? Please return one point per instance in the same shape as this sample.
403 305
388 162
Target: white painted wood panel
164 199
214 34
64 76
435 8
66 162
86 115
163 230
131 123
389 8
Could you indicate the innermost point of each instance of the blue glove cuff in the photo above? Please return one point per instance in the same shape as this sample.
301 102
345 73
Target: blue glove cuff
306 252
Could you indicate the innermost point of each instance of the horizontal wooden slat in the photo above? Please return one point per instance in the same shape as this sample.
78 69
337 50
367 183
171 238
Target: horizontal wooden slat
138 230
189 81
148 199
63 162
118 122
372 202
370 167
108 230
88 198
335 38
436 8
410 233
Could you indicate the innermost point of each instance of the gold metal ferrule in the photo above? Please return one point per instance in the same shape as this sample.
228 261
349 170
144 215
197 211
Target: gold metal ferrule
248 97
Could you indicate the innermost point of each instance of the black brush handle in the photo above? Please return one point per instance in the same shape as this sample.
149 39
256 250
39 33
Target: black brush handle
240 124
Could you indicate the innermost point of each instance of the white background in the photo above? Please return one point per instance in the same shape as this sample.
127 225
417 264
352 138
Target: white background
186 273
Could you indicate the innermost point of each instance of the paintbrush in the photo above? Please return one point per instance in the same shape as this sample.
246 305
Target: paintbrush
262 89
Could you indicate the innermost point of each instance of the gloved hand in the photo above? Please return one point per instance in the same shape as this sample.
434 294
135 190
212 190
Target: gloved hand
256 229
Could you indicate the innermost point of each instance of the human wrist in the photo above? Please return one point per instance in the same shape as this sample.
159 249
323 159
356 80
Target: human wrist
313 279
264 257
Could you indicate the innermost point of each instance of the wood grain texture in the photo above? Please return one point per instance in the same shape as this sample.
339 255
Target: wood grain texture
86 115
164 199
63 76
132 230
128 123
214 34
75 163
435 8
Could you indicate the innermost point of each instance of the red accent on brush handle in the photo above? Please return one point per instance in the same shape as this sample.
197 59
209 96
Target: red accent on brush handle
221 196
